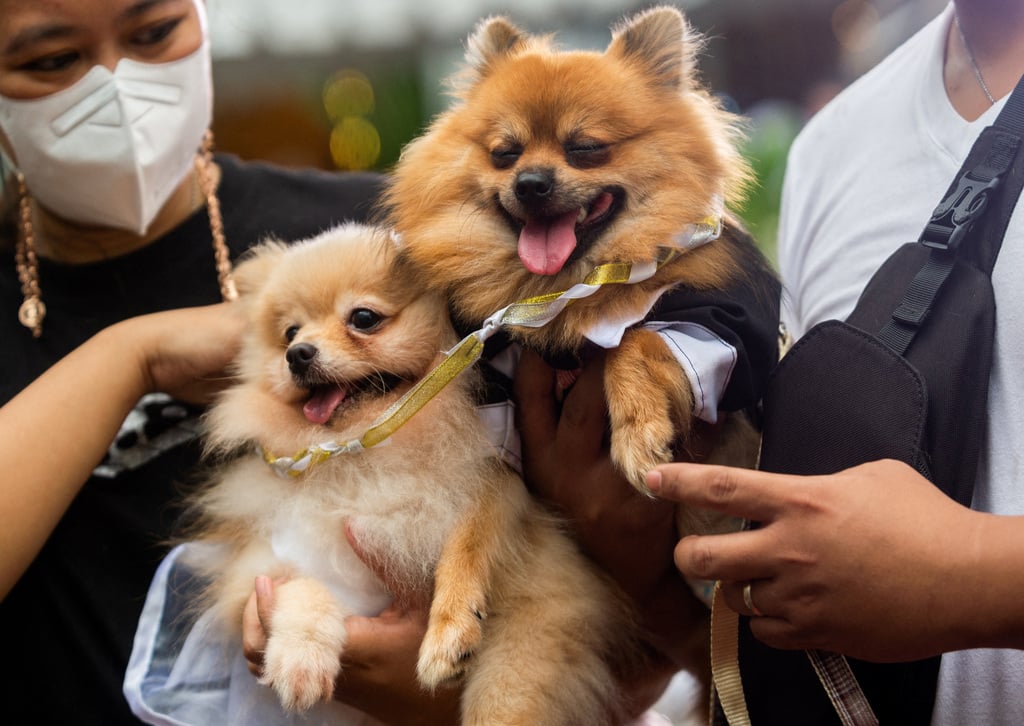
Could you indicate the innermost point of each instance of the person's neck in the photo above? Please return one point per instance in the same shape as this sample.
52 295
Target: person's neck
65 241
994 33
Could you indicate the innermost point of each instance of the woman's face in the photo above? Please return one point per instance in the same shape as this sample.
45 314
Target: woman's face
47 45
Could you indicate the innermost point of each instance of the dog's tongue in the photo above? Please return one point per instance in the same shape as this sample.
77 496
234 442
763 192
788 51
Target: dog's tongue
545 244
324 401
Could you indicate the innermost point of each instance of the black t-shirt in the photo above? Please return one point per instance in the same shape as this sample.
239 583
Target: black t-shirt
66 628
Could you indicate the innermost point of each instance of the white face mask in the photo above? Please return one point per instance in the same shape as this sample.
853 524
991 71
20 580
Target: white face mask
111 149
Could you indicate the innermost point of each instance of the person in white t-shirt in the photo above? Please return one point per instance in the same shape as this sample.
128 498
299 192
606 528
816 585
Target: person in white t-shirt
874 562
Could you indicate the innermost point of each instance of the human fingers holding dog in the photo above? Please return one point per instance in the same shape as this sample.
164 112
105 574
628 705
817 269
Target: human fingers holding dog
630 536
817 538
379 660
566 463
378 672
559 436
378 663
256 623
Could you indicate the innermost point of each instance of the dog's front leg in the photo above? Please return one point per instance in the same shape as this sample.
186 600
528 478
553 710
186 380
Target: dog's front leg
463 580
307 634
650 403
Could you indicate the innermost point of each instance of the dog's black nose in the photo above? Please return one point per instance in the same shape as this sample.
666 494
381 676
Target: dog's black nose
534 186
300 357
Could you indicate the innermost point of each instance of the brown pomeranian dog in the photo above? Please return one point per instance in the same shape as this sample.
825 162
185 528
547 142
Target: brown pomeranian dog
339 332
553 163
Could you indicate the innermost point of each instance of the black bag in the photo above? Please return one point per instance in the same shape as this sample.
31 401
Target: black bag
904 377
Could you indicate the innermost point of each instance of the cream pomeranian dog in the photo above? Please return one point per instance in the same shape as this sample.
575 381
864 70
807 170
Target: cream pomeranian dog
339 332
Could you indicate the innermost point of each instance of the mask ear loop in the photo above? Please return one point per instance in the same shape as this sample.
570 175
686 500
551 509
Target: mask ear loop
33 310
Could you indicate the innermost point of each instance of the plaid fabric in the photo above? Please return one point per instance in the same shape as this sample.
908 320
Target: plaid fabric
842 688
728 703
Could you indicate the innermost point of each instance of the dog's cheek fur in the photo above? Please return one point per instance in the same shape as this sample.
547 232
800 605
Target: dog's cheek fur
245 414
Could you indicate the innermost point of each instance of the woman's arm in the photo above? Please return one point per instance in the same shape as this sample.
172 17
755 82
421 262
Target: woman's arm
57 430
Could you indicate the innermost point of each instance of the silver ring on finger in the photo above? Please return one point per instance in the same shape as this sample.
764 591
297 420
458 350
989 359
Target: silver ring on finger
748 600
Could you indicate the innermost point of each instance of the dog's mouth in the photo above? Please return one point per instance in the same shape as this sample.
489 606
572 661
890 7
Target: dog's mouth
548 243
326 398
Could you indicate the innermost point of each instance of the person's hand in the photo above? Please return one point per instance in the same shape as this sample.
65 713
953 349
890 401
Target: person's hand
631 536
256 624
379 669
378 665
873 562
566 463
185 352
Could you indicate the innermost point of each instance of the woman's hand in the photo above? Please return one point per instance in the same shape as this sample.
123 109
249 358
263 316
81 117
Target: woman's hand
873 562
185 353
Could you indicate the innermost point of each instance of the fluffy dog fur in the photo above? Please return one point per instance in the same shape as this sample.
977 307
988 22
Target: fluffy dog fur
551 163
339 332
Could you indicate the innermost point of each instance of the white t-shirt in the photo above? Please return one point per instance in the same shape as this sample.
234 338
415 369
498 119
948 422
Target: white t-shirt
863 178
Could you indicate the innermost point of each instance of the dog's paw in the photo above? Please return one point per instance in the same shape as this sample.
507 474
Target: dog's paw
301 672
637 447
648 396
451 640
307 634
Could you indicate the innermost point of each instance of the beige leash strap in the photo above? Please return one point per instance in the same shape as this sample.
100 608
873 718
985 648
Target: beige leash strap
833 671
725 664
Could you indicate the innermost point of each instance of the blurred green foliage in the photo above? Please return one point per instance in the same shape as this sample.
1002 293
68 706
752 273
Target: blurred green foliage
399 114
772 129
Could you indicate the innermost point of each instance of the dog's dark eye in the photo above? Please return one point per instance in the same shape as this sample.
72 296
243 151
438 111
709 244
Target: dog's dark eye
587 155
364 319
291 332
505 156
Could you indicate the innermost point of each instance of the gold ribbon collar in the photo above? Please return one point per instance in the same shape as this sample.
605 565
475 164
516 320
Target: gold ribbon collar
532 312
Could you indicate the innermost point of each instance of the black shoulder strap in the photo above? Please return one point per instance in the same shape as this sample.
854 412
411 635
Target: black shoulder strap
989 178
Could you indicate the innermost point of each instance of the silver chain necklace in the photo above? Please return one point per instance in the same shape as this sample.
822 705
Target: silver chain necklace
970 57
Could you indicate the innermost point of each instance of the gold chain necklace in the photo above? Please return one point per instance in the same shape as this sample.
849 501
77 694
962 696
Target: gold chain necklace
33 310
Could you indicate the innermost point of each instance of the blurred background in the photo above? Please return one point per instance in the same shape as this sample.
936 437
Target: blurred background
338 84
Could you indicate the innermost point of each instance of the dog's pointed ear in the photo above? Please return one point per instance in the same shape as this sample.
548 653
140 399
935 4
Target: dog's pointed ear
493 38
254 268
662 41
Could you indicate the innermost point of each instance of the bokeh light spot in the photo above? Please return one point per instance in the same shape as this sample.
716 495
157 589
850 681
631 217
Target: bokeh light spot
355 143
348 93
